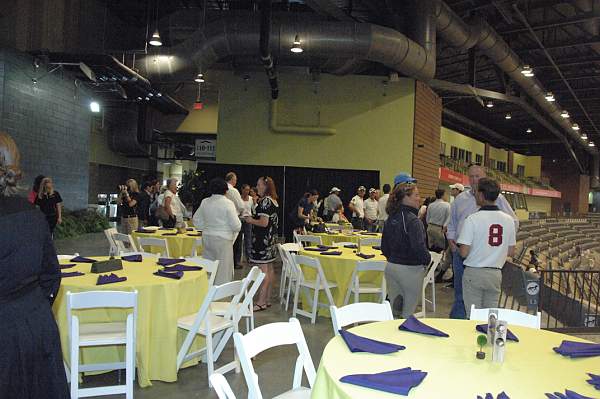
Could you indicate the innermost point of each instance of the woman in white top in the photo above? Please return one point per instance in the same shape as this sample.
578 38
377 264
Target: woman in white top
248 202
218 220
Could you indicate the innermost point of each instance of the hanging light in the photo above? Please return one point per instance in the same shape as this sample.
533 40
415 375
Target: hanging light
155 39
575 126
94 107
591 144
199 78
584 136
297 47
550 97
527 71
489 104
564 114
529 130
508 116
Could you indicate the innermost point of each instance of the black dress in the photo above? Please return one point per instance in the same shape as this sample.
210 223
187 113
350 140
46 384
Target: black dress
48 205
264 238
31 362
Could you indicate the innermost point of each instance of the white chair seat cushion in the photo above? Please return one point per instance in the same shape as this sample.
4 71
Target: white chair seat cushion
217 323
298 393
102 333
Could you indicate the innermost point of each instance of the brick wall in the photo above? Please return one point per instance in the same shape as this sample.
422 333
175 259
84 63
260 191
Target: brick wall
426 142
50 121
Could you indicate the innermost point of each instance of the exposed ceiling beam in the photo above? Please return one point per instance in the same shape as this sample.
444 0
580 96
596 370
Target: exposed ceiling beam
326 7
558 46
577 19
568 62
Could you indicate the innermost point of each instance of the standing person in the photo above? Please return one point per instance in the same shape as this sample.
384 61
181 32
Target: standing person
303 210
50 203
331 203
254 195
357 206
455 190
172 205
143 204
371 210
264 237
128 201
438 217
338 216
220 224
35 189
463 206
487 237
234 195
153 207
247 228
382 205
31 362
403 244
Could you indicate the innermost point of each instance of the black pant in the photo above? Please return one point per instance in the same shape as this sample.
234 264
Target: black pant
358 223
169 223
237 249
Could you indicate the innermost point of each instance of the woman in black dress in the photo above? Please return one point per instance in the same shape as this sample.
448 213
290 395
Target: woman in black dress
50 203
264 223
31 363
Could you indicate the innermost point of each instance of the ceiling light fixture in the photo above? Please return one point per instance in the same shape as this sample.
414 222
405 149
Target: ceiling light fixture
94 107
529 130
155 39
550 97
564 114
527 71
584 136
508 116
297 47
199 78
489 104
575 126
591 144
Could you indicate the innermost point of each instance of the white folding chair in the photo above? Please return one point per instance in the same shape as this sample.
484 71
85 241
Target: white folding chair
66 257
307 238
268 336
196 246
124 242
288 274
370 241
144 254
154 242
209 266
245 309
318 284
113 250
216 329
360 313
357 288
427 280
509 315
101 334
221 386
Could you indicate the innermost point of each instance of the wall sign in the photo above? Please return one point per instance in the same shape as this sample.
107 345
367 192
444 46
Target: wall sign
206 149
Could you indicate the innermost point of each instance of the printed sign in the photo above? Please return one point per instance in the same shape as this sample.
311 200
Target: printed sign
206 149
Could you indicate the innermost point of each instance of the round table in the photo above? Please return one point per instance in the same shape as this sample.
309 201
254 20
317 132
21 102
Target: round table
161 301
179 245
339 269
530 369
331 238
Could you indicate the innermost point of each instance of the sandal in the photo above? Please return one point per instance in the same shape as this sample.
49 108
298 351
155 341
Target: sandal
259 308
269 305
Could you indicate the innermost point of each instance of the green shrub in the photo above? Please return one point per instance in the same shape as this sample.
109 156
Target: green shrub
76 223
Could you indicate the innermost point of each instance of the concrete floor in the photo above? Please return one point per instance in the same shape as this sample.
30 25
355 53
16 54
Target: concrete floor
274 367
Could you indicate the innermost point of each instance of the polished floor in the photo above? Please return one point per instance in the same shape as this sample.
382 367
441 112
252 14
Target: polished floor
274 367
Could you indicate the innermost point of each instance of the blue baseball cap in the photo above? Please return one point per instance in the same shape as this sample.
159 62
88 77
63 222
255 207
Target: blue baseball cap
404 178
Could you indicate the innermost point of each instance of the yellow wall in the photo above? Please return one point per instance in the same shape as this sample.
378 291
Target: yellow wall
498 154
453 138
533 164
374 132
201 121
539 204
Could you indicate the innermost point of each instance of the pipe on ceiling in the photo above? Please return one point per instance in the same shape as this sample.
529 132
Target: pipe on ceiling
265 53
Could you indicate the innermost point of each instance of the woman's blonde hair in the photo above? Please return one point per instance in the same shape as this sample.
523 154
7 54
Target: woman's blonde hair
10 159
42 189
132 185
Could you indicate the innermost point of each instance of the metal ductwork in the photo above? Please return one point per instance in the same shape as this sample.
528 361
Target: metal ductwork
265 53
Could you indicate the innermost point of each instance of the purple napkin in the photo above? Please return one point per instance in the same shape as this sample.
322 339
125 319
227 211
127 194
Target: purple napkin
413 325
67 266
182 268
365 256
71 274
595 380
357 343
482 328
169 261
331 253
578 349
399 381
378 247
501 395
314 249
351 246
81 259
109 279
567 395
145 231
326 247
175 275
132 258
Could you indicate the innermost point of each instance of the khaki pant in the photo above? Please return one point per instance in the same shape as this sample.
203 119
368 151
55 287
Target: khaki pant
481 287
435 237
129 225
405 281
217 248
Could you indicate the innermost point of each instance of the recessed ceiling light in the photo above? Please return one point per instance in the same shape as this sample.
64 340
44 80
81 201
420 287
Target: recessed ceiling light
529 130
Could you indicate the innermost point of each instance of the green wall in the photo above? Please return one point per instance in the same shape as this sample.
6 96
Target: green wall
455 139
498 154
374 122
533 164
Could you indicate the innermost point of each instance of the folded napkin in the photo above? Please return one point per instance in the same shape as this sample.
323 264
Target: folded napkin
71 274
413 325
169 234
594 380
182 268
567 395
193 234
169 261
175 274
351 246
326 247
331 253
501 395
109 279
378 247
578 349
145 231
399 381
132 258
357 343
314 249
67 265
365 256
81 259
482 328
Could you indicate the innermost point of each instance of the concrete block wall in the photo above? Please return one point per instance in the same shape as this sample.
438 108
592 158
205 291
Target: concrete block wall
50 121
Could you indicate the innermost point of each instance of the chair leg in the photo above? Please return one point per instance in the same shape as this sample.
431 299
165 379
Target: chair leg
210 365
74 371
289 291
433 295
357 293
315 306
129 369
297 290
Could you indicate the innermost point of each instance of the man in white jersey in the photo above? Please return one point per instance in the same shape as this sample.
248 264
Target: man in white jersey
487 237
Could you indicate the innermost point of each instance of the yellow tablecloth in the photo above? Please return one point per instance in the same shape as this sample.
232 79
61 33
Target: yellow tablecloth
339 269
180 245
160 302
531 368
330 239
